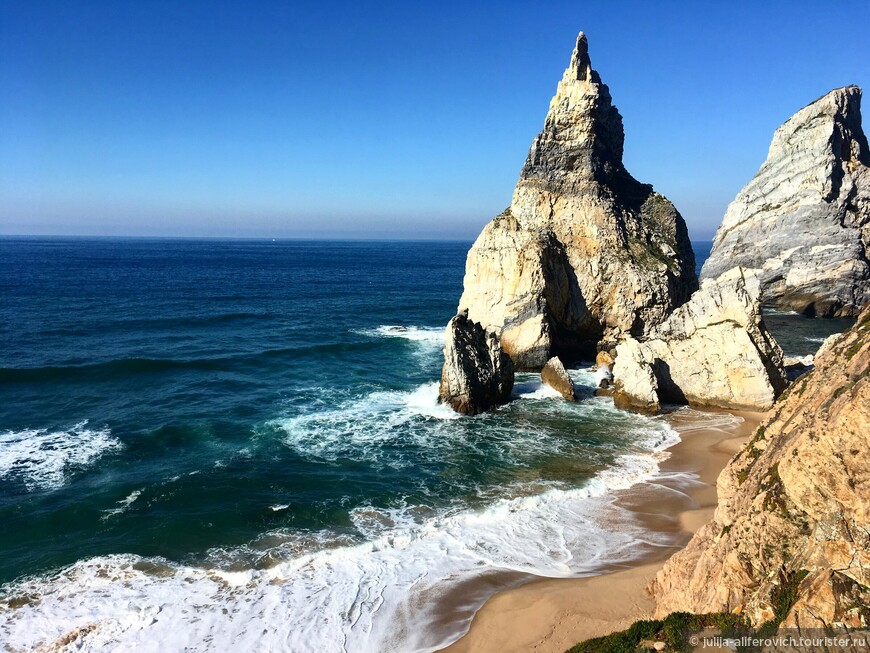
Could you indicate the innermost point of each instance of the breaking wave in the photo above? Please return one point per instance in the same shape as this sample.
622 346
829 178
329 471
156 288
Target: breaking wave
43 459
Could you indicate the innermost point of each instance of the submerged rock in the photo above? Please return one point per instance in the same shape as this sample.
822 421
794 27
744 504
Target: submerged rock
794 507
477 375
585 252
712 351
556 376
804 219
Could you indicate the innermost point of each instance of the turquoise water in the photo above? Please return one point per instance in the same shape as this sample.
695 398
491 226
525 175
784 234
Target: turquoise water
215 444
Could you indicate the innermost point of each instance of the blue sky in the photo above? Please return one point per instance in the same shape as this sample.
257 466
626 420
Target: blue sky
381 119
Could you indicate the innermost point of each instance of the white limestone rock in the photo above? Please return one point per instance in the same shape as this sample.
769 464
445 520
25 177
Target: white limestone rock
556 376
712 351
804 219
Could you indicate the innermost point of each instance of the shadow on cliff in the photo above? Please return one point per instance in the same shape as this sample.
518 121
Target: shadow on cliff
574 330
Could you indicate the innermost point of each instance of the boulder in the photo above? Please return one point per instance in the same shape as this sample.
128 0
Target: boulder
556 376
796 366
635 386
713 351
604 359
477 374
585 253
804 220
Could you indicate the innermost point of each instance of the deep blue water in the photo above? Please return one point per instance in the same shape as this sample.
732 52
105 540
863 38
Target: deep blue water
239 405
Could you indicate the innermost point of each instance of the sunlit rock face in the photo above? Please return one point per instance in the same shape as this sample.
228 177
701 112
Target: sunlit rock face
794 507
714 350
804 219
585 253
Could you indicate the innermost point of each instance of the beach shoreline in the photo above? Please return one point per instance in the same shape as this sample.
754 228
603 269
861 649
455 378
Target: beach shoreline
548 615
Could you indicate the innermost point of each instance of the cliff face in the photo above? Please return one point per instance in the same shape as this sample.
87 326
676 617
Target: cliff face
794 506
804 219
713 350
585 252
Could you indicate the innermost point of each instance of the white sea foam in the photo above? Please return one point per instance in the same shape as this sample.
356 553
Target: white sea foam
813 339
123 504
358 428
43 459
291 591
322 596
357 598
774 311
428 335
532 388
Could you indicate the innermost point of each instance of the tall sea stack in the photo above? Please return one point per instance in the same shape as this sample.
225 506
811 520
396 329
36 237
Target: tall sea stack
804 219
585 253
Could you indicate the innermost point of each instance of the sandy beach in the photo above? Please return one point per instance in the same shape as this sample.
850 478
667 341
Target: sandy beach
551 615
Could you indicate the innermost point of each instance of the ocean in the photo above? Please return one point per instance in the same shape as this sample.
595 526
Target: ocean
217 445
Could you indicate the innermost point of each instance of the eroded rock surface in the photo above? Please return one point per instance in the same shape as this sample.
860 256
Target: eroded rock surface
477 375
804 219
585 252
794 506
712 351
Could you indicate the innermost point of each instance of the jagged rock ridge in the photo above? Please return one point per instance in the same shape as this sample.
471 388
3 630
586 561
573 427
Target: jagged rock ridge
794 506
585 252
804 219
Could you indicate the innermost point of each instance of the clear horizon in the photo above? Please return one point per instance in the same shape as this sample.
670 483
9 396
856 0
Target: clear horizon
387 122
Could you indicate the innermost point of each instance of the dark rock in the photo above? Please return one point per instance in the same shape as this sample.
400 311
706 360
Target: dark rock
477 375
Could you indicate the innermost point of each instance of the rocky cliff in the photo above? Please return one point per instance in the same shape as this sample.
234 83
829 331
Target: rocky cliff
804 219
712 351
585 252
794 507
477 374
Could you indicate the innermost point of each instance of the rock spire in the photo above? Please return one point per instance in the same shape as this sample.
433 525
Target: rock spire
585 253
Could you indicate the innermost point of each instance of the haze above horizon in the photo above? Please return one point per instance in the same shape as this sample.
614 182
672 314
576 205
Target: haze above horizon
394 120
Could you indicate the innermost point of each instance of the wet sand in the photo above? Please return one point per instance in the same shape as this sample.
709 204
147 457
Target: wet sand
551 615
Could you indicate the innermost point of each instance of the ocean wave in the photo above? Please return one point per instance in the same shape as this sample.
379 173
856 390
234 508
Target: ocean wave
533 388
120 367
430 335
370 596
360 428
138 325
368 590
42 459
393 428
